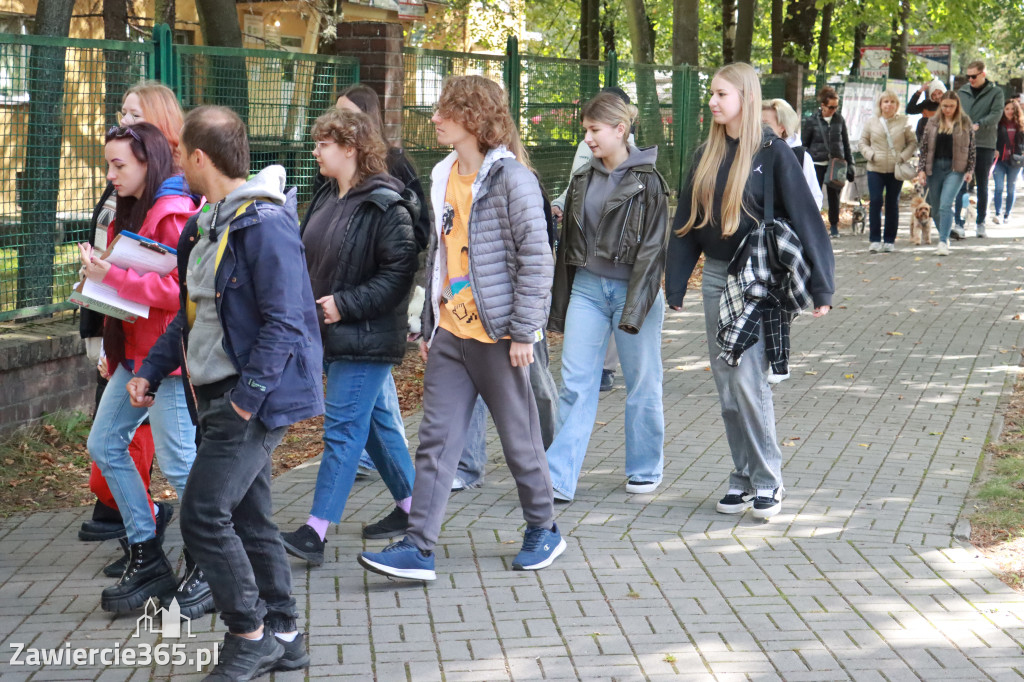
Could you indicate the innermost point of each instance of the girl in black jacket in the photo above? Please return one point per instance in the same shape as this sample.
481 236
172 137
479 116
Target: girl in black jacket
825 136
361 257
1009 142
723 201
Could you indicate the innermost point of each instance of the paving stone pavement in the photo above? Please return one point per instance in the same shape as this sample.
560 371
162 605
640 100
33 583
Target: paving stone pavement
862 576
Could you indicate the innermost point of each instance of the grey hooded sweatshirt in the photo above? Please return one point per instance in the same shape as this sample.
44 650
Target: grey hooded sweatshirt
602 183
207 360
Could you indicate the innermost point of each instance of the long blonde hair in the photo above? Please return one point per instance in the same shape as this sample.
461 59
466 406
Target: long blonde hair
743 78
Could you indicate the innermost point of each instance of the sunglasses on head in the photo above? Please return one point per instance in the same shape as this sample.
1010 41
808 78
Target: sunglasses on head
116 132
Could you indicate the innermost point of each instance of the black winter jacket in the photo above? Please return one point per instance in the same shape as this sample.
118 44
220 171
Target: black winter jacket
372 277
836 146
633 230
401 168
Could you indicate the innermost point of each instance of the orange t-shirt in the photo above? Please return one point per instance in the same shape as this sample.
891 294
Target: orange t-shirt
458 308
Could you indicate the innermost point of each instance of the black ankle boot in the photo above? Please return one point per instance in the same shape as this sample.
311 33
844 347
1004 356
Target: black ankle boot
148 574
106 524
193 593
115 569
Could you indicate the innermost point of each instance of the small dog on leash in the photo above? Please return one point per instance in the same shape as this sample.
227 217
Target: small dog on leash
921 222
971 211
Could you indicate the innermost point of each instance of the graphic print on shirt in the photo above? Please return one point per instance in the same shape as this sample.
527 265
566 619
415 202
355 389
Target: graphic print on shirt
459 313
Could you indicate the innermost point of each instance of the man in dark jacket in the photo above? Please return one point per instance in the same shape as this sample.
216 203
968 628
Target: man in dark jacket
983 101
247 335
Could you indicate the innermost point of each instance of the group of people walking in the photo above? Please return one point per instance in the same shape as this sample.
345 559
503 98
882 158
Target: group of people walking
263 305
961 139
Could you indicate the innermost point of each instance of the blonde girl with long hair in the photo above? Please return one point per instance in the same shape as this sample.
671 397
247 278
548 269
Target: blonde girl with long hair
608 274
946 162
489 269
721 202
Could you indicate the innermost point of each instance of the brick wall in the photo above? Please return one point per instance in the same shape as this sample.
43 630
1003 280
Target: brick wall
378 47
43 369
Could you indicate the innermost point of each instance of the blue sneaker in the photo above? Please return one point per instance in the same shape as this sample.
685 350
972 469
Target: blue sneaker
540 548
400 560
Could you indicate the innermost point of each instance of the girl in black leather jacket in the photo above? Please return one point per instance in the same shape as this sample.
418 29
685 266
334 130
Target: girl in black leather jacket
608 275
361 257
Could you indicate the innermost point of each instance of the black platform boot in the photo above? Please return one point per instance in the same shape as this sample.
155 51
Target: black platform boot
116 568
148 574
106 524
193 593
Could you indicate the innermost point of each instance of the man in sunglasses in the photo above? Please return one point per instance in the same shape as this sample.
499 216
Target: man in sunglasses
983 101
247 335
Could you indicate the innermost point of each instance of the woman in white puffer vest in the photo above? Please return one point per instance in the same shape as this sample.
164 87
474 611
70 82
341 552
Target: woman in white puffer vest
886 142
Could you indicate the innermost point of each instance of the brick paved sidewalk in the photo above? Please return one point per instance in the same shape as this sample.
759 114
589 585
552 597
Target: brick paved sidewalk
892 398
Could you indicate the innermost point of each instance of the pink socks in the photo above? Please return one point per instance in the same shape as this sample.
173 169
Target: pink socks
405 505
319 525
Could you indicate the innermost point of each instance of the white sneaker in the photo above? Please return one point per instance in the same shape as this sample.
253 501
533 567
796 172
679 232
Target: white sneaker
980 230
875 247
888 248
640 487
942 249
997 220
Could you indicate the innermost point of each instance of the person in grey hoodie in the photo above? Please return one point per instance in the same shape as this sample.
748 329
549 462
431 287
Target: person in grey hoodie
246 336
608 275
982 100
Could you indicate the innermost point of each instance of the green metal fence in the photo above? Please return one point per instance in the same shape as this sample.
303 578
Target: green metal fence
59 96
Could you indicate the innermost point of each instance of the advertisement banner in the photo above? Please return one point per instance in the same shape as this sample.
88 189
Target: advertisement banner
936 57
874 61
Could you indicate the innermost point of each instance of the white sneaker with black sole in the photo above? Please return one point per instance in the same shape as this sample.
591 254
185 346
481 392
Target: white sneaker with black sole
734 503
639 487
767 505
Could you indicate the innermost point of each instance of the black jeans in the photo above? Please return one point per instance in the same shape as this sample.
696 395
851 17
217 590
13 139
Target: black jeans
833 197
983 161
887 184
225 516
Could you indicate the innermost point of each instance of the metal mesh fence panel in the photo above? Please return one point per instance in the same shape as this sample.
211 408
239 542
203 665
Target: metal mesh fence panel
59 97
425 71
277 94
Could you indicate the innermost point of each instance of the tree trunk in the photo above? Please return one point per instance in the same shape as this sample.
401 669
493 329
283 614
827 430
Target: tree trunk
226 78
607 30
650 131
590 30
115 27
685 25
778 13
860 36
825 37
728 30
165 12
744 30
41 174
900 42
797 30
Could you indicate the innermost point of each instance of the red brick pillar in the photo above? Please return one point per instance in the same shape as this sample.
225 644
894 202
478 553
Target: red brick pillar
378 47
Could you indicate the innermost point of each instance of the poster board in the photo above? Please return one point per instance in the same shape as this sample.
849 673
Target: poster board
858 105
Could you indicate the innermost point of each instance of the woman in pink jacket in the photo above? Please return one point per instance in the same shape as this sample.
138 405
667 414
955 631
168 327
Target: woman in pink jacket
153 202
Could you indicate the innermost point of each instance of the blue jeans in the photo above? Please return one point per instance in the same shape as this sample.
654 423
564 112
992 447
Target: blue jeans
595 307
357 414
886 184
943 189
174 439
389 394
1008 176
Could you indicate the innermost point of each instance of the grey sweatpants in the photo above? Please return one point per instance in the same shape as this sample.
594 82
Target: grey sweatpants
457 371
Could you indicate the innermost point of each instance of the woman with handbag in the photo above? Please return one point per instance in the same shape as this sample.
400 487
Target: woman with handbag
827 140
1009 156
946 162
723 201
888 144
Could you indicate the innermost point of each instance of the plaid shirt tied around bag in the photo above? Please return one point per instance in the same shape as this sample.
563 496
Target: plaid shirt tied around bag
766 288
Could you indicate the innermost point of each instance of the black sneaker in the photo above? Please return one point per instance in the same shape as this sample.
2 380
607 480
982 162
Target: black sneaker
163 519
244 659
735 504
607 380
767 507
305 544
392 525
295 656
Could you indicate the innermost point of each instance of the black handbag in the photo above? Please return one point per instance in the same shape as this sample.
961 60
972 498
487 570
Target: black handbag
1016 161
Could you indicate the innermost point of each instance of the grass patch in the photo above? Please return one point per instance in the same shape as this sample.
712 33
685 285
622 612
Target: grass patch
997 522
46 466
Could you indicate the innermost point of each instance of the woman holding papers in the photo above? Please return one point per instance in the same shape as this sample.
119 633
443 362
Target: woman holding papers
152 202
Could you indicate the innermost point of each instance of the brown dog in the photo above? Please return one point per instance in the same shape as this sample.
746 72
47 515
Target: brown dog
921 222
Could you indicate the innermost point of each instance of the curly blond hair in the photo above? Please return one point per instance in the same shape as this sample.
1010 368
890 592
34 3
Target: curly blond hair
357 131
480 106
